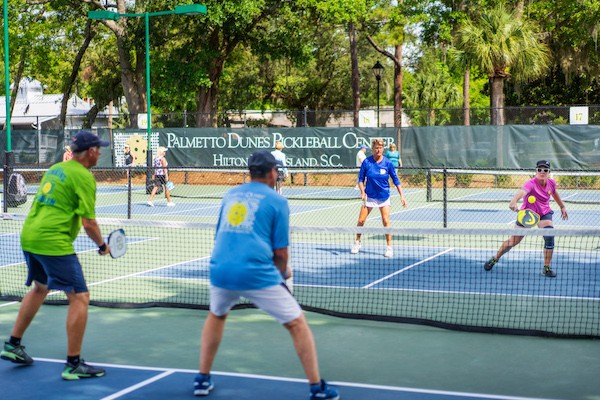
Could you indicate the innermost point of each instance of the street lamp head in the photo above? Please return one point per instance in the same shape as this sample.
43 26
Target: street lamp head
103 14
377 70
190 9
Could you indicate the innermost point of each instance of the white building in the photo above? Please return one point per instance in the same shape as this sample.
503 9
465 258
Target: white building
36 110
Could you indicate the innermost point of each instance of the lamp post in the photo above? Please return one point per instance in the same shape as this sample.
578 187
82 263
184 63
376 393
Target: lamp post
8 156
190 9
377 70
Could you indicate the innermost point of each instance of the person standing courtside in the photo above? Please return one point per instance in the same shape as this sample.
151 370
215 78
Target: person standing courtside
374 184
250 260
128 161
161 176
282 172
361 155
64 202
393 155
537 192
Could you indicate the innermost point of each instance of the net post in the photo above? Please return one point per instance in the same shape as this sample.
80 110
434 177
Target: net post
445 196
128 192
429 186
149 169
9 161
306 179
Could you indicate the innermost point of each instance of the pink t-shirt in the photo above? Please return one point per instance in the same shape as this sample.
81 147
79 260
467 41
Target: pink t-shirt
542 195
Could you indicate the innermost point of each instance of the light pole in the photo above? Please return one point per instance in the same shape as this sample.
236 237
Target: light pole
8 158
377 69
190 9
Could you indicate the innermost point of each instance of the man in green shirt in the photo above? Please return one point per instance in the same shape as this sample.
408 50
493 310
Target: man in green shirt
65 202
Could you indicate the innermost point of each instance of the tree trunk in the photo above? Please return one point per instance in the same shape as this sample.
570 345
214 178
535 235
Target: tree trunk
89 35
398 86
18 77
207 99
355 73
466 99
133 81
497 100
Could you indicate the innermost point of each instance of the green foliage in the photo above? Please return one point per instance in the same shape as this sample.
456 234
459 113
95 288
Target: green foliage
504 181
578 182
463 180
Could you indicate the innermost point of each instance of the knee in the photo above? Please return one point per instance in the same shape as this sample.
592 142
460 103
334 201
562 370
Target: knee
549 240
296 324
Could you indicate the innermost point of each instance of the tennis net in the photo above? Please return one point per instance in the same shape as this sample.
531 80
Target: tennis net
436 276
472 185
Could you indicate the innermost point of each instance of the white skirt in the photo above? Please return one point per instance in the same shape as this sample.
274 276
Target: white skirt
374 203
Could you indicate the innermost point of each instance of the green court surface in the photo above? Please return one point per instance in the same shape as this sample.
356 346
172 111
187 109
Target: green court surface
366 352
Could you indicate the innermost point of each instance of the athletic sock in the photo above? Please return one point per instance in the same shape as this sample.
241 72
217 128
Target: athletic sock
74 360
14 341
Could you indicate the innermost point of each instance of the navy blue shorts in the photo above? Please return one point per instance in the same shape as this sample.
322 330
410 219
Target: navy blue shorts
57 272
545 217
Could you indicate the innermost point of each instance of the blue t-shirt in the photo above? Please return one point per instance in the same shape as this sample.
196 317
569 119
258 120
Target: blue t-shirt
253 221
378 176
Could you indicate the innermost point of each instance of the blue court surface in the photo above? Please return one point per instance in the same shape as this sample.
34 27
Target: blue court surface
422 268
184 209
42 381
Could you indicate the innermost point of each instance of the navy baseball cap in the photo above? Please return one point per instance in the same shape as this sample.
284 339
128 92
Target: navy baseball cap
83 140
543 163
261 161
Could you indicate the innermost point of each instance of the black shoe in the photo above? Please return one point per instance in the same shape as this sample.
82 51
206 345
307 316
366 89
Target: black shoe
548 273
490 264
15 354
82 370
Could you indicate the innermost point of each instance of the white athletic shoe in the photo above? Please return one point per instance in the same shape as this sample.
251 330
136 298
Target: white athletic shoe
150 204
389 252
170 204
355 247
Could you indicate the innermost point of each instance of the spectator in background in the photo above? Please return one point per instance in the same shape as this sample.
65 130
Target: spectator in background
68 154
282 172
161 176
393 155
361 155
128 160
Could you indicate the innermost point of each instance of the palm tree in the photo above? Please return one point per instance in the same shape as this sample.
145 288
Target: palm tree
503 44
431 87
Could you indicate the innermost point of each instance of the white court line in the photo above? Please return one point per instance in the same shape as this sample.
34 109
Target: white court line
407 268
55 292
303 380
138 386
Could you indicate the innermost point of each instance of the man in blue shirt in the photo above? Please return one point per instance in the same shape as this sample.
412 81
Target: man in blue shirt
250 260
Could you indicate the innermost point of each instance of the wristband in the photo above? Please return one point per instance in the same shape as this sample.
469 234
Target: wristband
102 248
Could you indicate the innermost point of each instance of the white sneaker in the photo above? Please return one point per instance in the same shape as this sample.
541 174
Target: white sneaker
355 247
170 204
389 252
150 204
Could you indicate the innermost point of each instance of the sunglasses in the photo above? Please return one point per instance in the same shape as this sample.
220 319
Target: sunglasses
543 170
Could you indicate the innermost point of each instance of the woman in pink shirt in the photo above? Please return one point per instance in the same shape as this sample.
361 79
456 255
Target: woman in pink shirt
541 188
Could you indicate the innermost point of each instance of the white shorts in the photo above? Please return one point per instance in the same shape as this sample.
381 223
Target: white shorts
374 203
277 301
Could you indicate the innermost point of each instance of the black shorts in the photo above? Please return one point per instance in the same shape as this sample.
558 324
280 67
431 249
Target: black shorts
160 180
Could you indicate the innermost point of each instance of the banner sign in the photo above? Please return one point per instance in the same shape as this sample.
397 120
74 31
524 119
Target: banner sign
230 148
